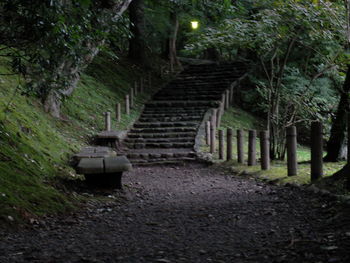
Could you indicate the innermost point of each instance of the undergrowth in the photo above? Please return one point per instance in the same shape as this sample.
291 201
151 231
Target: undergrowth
238 119
35 149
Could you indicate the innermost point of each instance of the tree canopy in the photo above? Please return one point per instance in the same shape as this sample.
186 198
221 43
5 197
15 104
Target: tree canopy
297 49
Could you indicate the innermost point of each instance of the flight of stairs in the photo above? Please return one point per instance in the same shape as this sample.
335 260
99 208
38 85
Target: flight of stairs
168 125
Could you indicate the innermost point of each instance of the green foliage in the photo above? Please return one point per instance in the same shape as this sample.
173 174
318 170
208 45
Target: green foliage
290 45
49 41
239 119
309 99
159 28
269 26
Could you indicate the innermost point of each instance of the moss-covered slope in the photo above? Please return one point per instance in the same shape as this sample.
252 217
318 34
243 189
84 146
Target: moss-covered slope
35 148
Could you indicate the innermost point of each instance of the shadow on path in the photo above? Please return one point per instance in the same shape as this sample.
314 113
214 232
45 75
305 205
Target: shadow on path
191 214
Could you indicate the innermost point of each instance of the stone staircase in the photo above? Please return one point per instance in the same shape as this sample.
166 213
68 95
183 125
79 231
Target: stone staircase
167 128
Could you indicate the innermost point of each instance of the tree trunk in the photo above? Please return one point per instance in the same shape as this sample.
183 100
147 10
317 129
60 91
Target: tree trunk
137 46
344 173
211 54
53 98
337 137
172 41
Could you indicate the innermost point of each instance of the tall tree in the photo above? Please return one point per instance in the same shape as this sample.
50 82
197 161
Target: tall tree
336 140
337 137
137 45
339 124
174 22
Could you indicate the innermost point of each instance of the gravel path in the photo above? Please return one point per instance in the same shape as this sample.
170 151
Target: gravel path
190 214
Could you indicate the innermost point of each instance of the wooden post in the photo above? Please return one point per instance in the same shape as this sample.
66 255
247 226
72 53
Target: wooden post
212 134
207 132
127 104
141 85
252 148
131 98
221 144
220 111
107 121
229 144
265 150
292 151
214 114
231 95
218 116
135 89
316 151
240 152
118 112
223 102
227 99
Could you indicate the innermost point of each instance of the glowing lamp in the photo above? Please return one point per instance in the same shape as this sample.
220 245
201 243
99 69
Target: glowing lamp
194 24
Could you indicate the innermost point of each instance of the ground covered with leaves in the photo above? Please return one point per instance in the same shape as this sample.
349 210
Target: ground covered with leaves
189 214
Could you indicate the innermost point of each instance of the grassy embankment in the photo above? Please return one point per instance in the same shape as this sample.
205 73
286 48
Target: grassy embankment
35 149
238 119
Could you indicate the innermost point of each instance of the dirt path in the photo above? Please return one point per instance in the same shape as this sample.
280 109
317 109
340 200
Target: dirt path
191 214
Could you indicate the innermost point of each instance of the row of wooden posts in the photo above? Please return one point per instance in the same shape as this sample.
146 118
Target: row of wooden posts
291 143
129 101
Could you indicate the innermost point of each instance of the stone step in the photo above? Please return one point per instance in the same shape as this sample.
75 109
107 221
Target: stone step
162 135
165 124
162 161
149 154
171 119
177 111
189 97
198 83
202 69
194 82
175 103
208 76
167 128
200 89
209 71
165 145
164 130
209 91
176 93
155 114
215 66
208 79
212 71
159 140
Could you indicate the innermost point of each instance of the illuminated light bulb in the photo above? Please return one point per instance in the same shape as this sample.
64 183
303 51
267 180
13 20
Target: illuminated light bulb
194 24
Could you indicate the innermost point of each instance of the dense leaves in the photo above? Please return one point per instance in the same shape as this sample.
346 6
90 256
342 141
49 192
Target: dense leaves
291 44
50 41
295 47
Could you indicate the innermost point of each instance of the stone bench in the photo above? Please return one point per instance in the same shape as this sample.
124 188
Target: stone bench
105 171
92 152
